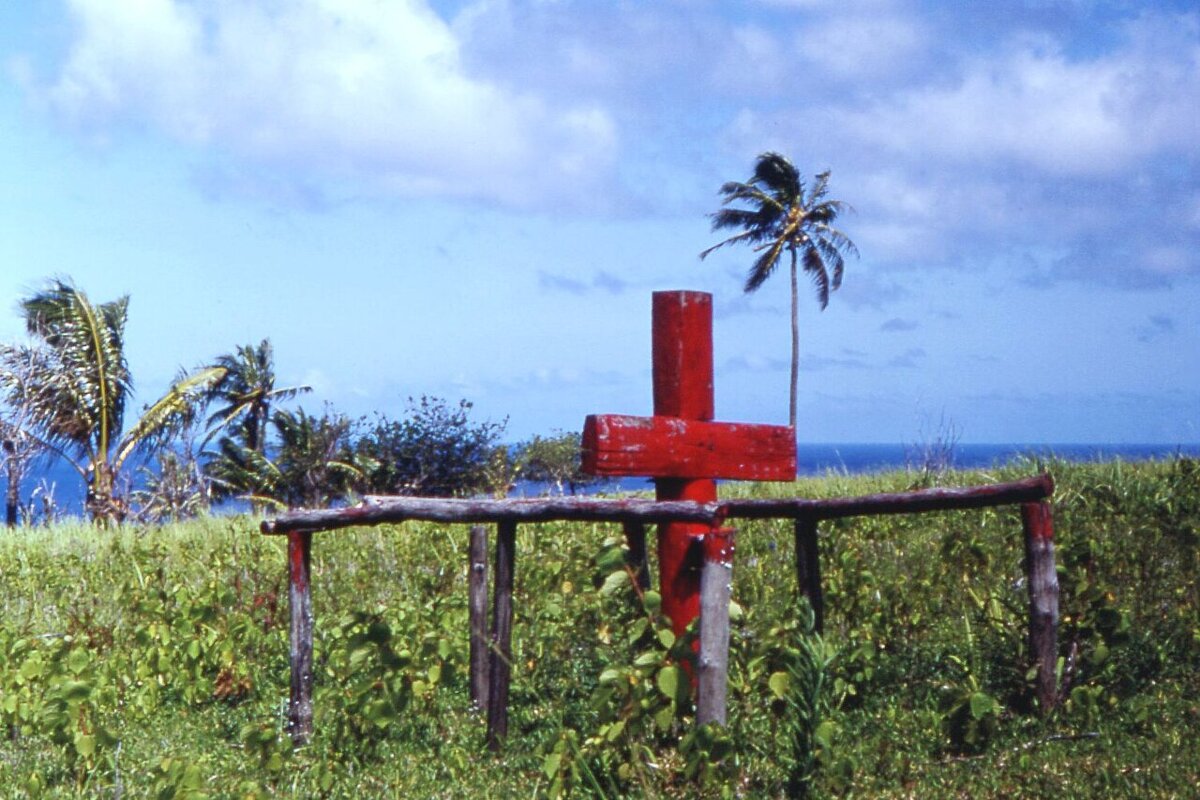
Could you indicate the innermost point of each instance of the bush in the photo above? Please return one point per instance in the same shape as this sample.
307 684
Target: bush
436 451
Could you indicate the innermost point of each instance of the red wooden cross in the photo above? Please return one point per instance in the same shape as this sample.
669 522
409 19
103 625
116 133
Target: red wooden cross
681 447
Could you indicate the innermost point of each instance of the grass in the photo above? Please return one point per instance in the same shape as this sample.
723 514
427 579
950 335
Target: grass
153 661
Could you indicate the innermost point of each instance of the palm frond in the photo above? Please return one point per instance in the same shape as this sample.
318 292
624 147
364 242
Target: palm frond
764 265
778 174
834 262
748 193
750 220
818 190
169 413
93 381
246 393
814 265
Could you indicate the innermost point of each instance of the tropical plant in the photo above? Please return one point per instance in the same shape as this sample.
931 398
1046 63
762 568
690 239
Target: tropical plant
17 448
316 464
245 393
311 463
436 451
79 385
555 460
784 216
176 489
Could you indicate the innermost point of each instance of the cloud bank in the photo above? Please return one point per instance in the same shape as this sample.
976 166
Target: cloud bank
368 92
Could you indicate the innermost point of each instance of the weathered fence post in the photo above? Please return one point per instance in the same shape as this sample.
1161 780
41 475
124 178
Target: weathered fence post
300 632
500 655
635 557
1038 522
716 584
808 569
477 610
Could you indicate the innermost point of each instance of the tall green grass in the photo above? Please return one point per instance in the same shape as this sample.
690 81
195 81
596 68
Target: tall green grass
153 661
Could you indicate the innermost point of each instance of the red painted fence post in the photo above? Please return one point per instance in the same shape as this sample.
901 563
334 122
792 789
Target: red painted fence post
1038 523
300 632
716 586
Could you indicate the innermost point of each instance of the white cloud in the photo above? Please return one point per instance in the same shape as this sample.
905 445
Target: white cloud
372 91
863 46
1033 106
1031 149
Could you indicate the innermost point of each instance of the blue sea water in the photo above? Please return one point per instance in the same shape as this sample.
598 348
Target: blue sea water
812 459
859 459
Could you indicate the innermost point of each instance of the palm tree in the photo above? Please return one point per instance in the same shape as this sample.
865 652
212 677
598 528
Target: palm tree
17 447
77 393
246 391
313 466
782 216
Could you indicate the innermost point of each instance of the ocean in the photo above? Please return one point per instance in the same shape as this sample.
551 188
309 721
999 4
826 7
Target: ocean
812 459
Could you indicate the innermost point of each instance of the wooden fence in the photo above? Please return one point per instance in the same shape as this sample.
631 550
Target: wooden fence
491 652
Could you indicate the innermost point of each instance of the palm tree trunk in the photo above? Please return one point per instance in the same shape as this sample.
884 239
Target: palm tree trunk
12 501
795 347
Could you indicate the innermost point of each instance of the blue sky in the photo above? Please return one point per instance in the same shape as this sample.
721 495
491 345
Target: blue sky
476 199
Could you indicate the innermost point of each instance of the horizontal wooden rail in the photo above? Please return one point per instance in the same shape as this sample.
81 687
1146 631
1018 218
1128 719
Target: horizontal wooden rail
1028 490
375 510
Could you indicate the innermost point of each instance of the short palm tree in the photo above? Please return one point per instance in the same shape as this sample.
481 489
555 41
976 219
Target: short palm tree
783 217
245 392
77 393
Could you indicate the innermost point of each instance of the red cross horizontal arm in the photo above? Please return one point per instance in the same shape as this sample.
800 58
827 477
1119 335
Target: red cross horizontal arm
681 447
671 447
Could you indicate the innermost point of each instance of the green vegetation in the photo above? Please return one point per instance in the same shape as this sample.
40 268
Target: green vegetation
64 396
152 661
69 389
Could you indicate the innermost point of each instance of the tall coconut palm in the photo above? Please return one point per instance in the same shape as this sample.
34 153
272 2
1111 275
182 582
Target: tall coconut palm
782 217
245 392
78 392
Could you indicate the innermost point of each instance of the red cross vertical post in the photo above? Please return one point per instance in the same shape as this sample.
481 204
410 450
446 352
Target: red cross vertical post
681 447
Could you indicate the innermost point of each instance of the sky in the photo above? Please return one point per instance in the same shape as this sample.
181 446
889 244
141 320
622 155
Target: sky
476 199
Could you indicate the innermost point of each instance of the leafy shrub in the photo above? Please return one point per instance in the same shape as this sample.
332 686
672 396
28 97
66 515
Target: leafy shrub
435 451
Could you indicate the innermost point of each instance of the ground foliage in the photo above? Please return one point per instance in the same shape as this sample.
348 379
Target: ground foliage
152 661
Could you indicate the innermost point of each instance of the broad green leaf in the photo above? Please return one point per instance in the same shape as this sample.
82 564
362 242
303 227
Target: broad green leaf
615 730
85 745
780 683
647 659
652 600
78 661
615 582
610 675
32 668
736 612
670 680
982 704
380 713
611 559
